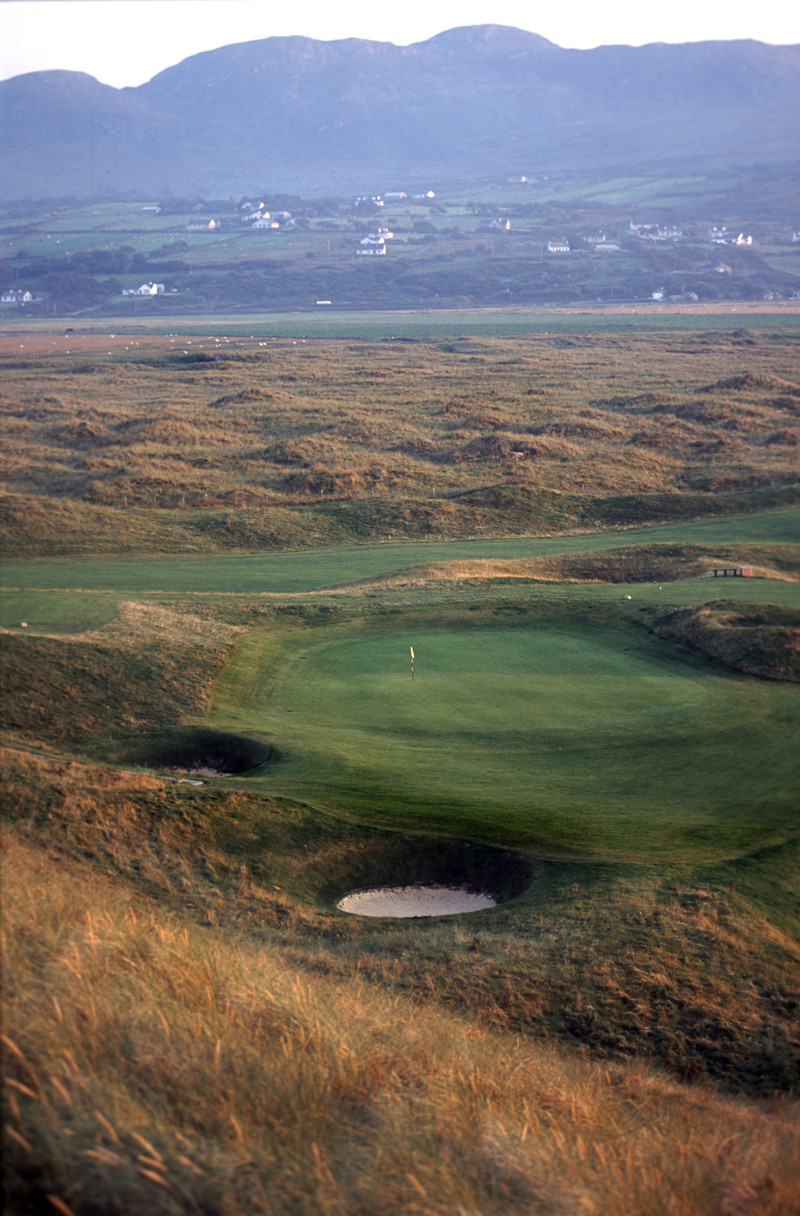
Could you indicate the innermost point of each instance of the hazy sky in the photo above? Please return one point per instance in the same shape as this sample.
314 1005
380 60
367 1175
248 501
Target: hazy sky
125 42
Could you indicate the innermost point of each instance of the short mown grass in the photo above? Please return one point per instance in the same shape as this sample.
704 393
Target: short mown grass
585 735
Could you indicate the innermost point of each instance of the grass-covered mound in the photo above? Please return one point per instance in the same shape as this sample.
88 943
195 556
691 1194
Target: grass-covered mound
633 563
324 442
43 526
758 639
148 668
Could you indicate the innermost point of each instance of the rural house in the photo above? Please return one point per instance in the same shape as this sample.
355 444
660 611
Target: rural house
146 289
372 246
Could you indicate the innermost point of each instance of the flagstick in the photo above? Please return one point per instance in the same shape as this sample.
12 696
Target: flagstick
411 648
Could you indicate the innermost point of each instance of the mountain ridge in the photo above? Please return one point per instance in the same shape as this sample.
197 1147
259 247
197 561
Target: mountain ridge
295 113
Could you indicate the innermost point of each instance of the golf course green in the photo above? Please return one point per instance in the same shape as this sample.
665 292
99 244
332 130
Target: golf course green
549 735
552 717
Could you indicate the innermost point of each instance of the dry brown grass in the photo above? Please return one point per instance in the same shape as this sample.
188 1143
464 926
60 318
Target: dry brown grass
324 419
631 564
154 1064
759 640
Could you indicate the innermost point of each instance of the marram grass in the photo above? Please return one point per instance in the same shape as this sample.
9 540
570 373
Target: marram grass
153 1064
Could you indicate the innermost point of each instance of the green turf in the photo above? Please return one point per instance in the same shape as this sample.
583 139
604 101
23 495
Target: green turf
557 735
386 325
544 716
56 612
304 571
390 326
66 612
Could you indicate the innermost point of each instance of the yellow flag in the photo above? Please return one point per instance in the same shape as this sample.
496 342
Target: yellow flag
411 648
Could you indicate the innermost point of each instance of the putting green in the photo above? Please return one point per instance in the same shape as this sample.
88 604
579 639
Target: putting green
554 737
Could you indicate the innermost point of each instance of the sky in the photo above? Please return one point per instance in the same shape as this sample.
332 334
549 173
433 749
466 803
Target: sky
126 42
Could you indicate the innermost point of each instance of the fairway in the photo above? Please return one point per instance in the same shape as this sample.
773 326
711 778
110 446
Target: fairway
548 737
326 567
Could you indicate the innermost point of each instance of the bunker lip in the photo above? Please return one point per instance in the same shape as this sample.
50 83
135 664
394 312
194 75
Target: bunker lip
201 750
400 875
415 901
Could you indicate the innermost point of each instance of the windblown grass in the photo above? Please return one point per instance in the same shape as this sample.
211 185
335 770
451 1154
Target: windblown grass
189 452
186 1053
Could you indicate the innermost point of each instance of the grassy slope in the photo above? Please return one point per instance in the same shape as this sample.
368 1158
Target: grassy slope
207 1020
761 640
437 256
328 566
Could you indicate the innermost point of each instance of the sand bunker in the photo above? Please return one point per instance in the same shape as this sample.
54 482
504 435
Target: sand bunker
415 901
201 750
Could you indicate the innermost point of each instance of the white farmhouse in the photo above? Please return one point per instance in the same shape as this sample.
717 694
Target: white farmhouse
146 289
372 246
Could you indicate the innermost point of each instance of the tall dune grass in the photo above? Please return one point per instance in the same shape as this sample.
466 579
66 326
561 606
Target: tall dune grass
294 425
155 1065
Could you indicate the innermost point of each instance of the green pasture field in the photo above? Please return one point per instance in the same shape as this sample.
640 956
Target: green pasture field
427 324
617 191
318 568
142 233
448 324
633 189
786 260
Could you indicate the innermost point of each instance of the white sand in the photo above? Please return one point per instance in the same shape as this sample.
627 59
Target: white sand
414 901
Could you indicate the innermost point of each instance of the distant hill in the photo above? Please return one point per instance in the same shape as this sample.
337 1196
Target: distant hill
352 115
